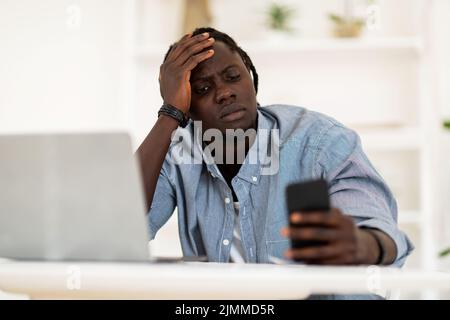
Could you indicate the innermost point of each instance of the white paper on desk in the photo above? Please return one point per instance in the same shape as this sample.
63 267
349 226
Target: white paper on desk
276 260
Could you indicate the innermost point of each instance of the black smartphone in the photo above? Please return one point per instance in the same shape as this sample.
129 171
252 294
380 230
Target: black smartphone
307 197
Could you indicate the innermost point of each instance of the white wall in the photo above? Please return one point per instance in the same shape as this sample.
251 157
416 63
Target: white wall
441 25
442 45
58 69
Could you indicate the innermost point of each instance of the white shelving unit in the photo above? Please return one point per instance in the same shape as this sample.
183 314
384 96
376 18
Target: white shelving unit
409 141
411 45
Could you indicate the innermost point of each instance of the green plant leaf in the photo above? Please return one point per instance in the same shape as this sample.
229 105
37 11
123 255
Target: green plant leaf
447 124
335 18
445 252
279 16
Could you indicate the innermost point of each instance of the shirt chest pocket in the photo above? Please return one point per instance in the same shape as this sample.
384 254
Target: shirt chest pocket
276 244
277 248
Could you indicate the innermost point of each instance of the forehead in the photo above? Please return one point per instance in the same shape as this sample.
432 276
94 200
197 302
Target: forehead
222 58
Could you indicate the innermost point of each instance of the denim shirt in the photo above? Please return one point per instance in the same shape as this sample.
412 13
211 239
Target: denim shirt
311 146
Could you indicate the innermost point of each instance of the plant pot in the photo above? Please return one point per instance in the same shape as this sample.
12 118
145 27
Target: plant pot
348 30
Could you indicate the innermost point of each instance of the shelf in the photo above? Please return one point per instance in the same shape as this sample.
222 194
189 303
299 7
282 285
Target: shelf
412 45
391 139
295 45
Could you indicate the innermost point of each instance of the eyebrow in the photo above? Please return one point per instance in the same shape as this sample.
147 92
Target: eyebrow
209 76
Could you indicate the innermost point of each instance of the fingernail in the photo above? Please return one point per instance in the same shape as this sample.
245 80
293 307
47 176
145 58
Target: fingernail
296 217
284 232
288 254
211 39
205 34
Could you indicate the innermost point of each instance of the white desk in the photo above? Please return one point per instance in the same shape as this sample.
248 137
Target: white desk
204 280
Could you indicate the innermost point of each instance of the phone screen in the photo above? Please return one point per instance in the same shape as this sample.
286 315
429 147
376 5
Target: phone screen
306 197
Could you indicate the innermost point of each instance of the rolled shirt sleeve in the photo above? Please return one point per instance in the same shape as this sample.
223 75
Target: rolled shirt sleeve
357 189
163 204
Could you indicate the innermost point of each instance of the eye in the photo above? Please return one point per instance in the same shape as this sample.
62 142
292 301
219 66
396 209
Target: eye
234 77
201 90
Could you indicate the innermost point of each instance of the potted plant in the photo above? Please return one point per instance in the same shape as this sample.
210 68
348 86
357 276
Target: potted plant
346 25
446 124
444 252
279 19
346 28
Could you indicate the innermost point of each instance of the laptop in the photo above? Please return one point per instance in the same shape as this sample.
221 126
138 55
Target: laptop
71 197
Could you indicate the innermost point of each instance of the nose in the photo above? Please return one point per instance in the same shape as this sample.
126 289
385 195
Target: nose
224 94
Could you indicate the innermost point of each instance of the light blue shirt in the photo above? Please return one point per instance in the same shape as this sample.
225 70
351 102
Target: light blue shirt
312 146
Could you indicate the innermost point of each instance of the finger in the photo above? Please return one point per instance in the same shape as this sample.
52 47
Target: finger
175 45
331 212
182 39
313 233
325 218
343 260
187 35
185 43
196 59
193 50
315 253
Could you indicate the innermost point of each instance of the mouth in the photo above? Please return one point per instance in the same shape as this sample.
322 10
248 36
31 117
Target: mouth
232 112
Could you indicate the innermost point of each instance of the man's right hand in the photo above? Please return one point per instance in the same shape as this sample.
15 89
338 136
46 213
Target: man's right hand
175 72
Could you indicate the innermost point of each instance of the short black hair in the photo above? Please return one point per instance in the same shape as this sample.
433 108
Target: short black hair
226 39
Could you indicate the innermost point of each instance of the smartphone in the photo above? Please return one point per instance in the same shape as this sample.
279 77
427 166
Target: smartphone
307 197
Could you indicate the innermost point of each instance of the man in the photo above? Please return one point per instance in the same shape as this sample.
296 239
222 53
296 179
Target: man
236 210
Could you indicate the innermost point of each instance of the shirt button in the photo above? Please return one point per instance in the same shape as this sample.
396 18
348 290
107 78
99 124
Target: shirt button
227 200
254 178
226 242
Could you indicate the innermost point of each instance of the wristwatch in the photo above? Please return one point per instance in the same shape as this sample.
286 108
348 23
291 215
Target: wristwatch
174 112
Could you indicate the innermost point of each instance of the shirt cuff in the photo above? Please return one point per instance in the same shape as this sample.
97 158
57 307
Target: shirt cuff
403 244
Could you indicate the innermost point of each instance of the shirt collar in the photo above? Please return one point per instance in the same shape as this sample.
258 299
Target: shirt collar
256 157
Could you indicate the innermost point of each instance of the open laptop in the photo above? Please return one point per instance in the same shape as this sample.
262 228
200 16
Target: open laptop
71 197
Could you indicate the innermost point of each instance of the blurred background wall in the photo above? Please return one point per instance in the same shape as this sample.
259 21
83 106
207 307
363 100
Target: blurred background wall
61 64
76 65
